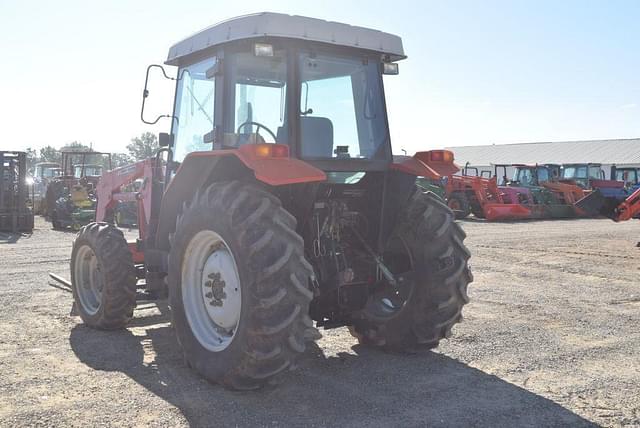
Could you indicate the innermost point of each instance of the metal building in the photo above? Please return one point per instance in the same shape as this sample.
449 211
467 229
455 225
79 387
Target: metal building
606 152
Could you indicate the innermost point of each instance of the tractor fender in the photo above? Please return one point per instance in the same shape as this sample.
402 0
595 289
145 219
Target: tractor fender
199 169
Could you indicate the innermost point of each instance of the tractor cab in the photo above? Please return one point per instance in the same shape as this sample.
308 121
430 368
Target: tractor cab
583 175
91 170
535 175
313 87
628 175
47 170
531 175
87 166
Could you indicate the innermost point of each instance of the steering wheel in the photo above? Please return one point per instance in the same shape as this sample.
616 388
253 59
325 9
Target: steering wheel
258 125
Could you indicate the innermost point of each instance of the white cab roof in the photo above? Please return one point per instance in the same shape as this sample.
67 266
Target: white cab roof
268 24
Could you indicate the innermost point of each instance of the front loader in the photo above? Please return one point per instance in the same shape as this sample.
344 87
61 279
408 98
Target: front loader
275 206
464 193
596 203
534 192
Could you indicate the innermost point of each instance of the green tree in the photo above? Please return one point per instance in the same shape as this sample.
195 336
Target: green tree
76 146
50 154
144 146
32 158
120 159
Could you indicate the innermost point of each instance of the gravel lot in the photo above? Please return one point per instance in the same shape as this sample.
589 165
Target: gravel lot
551 337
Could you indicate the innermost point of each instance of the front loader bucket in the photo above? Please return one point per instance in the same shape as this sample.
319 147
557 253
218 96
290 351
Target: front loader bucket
562 211
595 203
498 212
592 203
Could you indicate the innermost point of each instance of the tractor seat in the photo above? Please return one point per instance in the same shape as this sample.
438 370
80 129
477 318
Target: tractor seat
79 193
317 137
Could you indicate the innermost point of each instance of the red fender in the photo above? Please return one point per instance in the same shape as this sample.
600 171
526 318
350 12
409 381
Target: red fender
270 163
433 164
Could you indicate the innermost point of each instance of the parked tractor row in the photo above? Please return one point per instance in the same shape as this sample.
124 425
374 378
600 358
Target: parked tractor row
539 191
64 193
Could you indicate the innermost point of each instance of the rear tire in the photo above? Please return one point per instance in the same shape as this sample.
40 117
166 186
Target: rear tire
103 277
439 259
251 231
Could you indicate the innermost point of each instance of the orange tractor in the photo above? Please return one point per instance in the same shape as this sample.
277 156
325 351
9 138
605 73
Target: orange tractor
464 193
468 194
275 206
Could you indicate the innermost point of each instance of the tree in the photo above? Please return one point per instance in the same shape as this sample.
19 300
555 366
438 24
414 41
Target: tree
76 146
50 154
32 158
120 159
144 146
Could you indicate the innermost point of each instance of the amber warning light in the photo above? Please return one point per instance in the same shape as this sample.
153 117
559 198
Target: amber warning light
263 150
441 156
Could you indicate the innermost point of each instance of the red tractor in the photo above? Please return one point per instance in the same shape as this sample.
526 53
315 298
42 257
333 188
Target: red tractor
278 204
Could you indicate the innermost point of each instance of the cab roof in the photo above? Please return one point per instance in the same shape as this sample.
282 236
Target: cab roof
267 24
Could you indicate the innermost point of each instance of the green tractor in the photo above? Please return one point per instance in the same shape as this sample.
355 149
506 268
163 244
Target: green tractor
70 200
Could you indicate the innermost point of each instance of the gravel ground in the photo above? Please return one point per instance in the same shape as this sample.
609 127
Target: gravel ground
551 337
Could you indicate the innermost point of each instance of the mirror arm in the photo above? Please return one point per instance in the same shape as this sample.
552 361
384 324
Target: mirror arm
145 94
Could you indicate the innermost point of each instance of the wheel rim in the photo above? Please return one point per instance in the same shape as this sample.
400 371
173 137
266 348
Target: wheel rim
88 280
211 292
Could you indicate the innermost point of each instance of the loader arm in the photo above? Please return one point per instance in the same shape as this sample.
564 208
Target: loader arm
629 208
109 190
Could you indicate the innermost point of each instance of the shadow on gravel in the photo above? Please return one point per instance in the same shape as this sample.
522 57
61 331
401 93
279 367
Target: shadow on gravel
11 238
370 388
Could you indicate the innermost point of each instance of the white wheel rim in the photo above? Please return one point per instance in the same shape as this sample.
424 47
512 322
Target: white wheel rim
88 280
211 293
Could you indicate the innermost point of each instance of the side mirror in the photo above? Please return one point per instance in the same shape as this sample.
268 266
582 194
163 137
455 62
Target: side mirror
165 140
145 94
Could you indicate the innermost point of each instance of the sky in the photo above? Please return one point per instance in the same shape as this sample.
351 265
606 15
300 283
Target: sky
478 72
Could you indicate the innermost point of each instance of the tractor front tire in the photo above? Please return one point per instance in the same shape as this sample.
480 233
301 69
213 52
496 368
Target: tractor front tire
459 204
439 259
477 211
103 277
239 286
